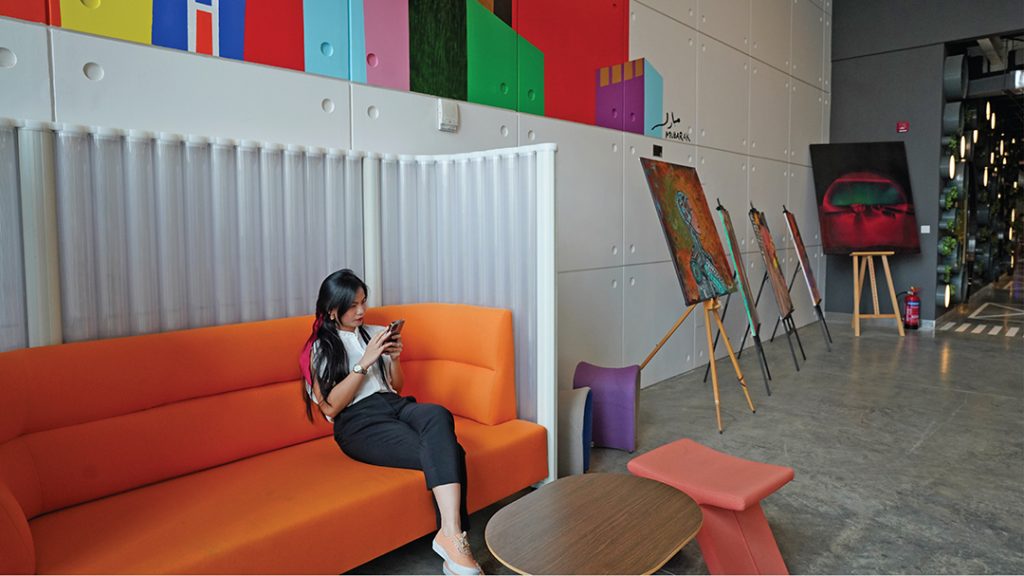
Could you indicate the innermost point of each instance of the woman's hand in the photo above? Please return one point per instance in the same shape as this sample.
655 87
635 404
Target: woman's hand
395 349
375 347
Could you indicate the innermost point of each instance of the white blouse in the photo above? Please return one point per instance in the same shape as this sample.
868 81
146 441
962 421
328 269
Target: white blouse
373 381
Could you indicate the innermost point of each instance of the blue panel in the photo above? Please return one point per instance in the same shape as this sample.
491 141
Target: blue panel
357 35
207 2
170 23
325 27
654 88
232 29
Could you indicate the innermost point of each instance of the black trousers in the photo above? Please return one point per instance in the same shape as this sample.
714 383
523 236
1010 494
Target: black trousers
386 429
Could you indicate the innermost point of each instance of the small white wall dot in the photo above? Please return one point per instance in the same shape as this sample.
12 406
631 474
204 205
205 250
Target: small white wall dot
7 58
93 71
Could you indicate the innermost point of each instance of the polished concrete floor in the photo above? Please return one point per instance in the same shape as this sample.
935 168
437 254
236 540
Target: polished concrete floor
909 453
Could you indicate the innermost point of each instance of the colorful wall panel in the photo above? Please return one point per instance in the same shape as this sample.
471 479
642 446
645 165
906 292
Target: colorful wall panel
325 33
437 48
357 41
386 25
273 33
654 93
123 19
33 10
530 61
629 97
215 27
577 37
490 58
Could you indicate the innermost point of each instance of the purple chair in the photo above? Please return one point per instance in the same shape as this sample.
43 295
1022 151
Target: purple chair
615 393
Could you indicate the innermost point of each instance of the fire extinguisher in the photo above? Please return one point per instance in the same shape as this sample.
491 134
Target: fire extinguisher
912 310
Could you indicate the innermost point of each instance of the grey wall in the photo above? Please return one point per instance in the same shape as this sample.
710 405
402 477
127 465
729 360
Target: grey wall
887 67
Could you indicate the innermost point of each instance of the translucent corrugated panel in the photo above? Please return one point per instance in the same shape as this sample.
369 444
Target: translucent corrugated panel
164 233
463 229
13 322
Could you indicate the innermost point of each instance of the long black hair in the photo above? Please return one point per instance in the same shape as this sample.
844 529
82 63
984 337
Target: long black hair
337 293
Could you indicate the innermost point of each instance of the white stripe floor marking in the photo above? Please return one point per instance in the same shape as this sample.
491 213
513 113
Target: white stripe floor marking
979 329
963 327
947 326
1011 332
995 331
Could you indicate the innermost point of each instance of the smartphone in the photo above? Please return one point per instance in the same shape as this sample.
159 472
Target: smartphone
395 328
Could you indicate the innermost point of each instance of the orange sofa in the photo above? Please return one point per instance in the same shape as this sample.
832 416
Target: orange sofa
190 452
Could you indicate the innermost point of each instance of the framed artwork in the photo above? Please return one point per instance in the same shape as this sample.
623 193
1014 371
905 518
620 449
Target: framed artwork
801 253
864 198
741 272
697 252
771 262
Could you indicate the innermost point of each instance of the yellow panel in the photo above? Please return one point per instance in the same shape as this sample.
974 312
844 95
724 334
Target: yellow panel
604 76
639 67
627 69
616 73
124 19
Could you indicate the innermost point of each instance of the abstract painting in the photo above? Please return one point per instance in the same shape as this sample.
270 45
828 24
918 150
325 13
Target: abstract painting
801 253
864 198
697 252
771 262
737 264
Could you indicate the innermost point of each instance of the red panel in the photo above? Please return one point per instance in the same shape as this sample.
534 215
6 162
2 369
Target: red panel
204 32
54 12
273 33
34 10
577 37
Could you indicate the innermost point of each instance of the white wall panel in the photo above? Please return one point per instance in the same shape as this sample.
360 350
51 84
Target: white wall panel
727 21
151 88
770 32
806 113
589 320
393 122
769 190
769 112
723 96
723 175
826 59
804 204
24 71
808 38
826 119
653 302
588 177
672 49
684 11
644 240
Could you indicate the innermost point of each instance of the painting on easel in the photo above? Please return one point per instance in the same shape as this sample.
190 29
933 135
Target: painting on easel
801 253
771 262
741 273
864 198
697 251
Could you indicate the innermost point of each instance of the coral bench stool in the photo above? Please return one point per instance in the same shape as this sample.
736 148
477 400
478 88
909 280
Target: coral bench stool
735 537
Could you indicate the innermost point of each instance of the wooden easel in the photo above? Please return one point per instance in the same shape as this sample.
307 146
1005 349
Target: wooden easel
866 260
710 311
817 311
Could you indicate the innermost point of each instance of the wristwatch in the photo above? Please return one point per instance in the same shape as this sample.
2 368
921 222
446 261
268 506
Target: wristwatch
358 368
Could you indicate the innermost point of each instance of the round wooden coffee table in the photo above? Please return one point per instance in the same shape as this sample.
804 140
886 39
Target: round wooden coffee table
594 524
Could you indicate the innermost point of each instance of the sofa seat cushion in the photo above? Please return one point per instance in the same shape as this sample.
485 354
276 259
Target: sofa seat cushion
302 509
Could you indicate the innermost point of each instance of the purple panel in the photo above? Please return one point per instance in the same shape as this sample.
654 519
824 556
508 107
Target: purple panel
633 104
609 103
615 394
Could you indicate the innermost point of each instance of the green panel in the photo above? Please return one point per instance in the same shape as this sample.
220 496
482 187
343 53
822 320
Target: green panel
490 58
437 48
531 78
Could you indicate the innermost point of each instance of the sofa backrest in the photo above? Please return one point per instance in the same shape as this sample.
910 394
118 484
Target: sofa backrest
459 356
86 420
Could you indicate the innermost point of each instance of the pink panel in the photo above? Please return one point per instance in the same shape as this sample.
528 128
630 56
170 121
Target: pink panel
387 43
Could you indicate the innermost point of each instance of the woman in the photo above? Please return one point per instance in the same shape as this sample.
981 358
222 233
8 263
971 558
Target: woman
355 377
